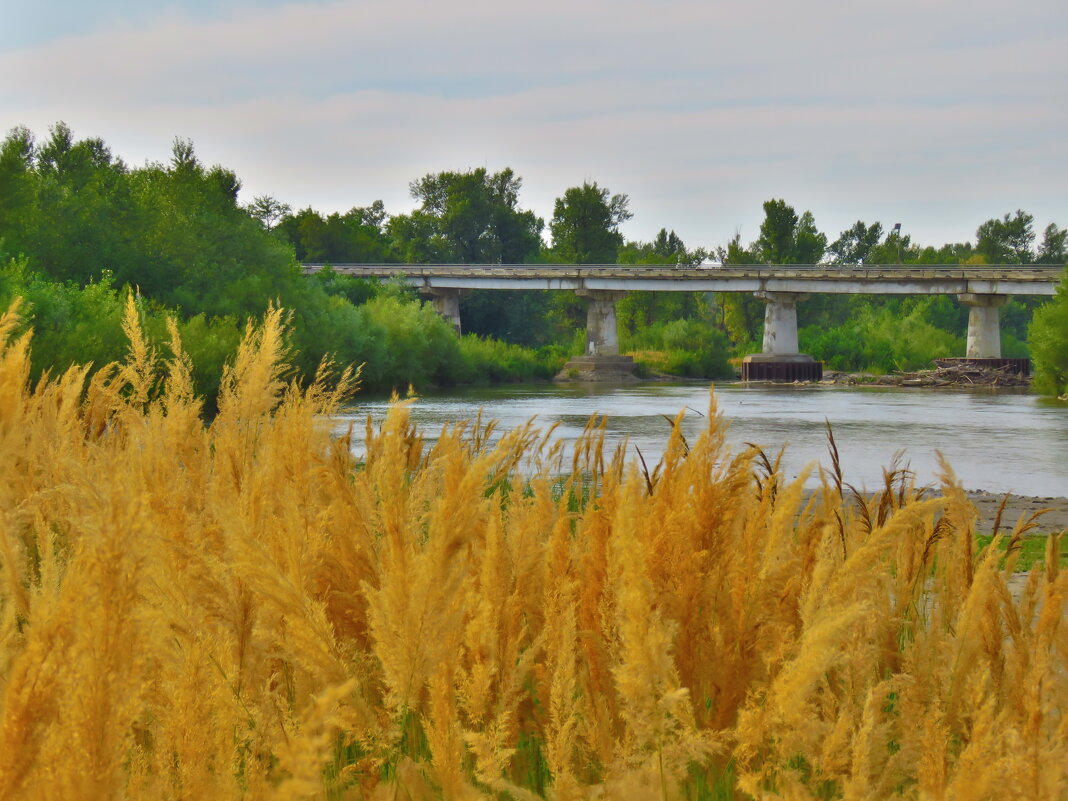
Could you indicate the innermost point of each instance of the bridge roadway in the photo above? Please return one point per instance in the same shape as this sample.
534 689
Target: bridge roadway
926 279
983 288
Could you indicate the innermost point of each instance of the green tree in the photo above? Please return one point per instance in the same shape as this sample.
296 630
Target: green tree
1048 337
268 210
467 218
1006 241
786 238
474 218
642 309
668 245
743 314
356 237
855 244
585 225
18 187
1053 249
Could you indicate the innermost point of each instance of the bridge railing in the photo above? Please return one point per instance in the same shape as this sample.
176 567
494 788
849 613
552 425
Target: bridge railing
1045 272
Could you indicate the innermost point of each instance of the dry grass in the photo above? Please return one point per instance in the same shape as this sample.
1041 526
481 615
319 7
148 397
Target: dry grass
240 610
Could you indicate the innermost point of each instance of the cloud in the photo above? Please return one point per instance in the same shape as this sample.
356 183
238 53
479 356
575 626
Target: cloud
941 113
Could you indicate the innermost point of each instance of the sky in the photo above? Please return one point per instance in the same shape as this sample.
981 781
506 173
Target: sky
938 114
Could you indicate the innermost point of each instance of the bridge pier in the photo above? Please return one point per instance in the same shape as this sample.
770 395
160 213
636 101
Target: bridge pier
779 359
984 325
984 336
602 332
446 303
601 361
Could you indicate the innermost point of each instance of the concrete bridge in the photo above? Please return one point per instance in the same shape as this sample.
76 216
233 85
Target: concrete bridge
983 288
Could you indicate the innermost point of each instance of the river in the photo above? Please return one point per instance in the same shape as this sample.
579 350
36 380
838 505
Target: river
995 441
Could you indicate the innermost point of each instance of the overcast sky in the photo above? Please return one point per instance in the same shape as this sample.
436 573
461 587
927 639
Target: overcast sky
937 114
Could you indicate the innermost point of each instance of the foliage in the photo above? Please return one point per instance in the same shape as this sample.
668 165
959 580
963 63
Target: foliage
522 317
1054 246
684 347
467 218
855 244
244 610
1006 241
786 238
1049 342
880 338
85 226
743 314
268 210
356 236
639 310
175 234
82 325
585 225
493 360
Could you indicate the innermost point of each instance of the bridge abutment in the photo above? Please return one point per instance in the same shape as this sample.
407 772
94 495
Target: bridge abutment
446 303
780 359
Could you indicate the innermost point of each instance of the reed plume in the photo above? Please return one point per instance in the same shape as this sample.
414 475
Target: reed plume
246 608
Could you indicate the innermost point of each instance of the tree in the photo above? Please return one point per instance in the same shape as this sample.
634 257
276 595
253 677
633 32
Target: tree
809 243
786 238
1053 249
855 244
585 225
351 238
470 217
743 314
1006 241
668 245
1048 337
474 218
17 190
642 309
268 210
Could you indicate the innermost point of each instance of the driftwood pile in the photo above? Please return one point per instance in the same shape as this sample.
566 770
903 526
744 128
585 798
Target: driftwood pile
962 375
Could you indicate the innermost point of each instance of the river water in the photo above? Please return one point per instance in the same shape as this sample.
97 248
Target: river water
995 441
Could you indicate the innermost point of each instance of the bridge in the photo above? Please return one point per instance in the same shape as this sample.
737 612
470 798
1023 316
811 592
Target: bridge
983 288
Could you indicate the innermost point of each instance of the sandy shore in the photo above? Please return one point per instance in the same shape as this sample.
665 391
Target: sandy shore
987 504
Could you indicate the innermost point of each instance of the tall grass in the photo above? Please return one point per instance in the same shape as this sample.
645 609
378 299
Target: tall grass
240 610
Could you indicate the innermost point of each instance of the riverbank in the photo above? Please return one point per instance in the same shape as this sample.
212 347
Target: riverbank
987 503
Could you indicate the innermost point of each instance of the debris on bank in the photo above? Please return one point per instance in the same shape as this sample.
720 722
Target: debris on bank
962 375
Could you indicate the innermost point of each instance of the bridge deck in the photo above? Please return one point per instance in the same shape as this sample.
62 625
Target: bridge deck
1006 279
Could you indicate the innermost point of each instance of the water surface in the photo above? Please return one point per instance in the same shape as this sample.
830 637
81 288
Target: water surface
995 441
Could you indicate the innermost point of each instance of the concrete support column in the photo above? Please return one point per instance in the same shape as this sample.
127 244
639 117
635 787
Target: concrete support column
984 329
446 303
602 336
780 322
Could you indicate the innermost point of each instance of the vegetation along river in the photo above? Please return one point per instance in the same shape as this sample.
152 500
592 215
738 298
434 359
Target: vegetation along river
998 442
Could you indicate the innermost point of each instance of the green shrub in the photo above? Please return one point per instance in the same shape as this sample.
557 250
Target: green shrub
1049 343
685 347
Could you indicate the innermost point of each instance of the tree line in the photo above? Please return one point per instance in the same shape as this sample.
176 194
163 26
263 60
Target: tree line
78 225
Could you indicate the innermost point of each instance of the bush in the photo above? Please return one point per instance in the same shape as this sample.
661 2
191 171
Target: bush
490 360
692 348
83 325
878 339
1049 343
